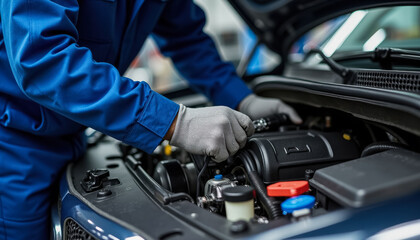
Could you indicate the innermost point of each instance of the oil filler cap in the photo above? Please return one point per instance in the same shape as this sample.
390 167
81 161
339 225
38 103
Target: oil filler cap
287 189
297 203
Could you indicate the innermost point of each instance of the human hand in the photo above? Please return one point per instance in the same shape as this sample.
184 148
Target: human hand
257 107
218 132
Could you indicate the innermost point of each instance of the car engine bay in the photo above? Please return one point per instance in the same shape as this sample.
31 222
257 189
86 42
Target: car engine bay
334 160
336 165
351 170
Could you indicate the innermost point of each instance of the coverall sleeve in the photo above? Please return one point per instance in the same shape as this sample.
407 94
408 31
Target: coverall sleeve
52 70
179 35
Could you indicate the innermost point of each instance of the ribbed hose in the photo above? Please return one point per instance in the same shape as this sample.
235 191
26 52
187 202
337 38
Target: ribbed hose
269 204
379 147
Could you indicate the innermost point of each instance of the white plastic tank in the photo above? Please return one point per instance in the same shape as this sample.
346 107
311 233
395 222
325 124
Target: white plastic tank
239 203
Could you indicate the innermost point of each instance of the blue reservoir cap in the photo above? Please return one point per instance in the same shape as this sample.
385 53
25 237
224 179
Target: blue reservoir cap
218 177
297 203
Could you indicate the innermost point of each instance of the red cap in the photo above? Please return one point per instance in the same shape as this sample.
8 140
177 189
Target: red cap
287 189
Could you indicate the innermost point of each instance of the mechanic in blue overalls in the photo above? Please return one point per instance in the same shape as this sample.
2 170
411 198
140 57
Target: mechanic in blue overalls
61 63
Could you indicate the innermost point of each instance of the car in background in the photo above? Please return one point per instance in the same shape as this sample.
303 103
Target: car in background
350 171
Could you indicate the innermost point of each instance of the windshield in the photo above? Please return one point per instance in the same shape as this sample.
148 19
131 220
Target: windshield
365 30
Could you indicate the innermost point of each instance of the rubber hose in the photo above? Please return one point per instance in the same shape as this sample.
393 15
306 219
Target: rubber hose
270 206
206 163
380 147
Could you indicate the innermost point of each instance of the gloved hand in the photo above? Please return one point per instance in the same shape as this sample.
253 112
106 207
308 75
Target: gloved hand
218 132
257 107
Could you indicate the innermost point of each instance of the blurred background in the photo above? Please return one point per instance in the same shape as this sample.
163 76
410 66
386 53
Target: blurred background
233 39
360 31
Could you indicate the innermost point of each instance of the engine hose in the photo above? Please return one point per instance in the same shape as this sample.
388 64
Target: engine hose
379 147
246 159
269 204
206 163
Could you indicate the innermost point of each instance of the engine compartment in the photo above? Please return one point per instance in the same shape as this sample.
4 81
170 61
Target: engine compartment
338 160
333 161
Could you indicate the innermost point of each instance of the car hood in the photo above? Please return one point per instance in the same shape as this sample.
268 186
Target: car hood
278 23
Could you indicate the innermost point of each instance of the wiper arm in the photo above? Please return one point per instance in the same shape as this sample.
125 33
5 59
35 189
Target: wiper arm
340 70
386 56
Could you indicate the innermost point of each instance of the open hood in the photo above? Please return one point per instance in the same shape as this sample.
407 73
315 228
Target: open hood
278 23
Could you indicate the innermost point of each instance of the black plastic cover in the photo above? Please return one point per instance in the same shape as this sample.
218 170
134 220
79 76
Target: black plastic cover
286 156
170 175
371 179
238 194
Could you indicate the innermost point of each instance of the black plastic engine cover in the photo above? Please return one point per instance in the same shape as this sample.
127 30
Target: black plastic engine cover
286 156
370 179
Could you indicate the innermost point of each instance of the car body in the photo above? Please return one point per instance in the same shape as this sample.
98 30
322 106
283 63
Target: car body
357 148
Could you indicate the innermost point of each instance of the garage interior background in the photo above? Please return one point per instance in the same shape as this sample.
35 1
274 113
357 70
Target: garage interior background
233 39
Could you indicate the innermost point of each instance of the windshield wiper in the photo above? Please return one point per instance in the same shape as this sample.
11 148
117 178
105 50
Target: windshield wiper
386 57
340 70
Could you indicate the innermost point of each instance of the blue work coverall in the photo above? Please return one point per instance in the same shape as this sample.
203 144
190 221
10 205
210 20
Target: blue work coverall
60 70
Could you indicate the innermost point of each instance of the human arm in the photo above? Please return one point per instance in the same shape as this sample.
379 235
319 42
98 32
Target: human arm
51 69
179 35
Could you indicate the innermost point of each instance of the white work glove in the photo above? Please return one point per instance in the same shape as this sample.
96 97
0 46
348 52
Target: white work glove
258 107
218 132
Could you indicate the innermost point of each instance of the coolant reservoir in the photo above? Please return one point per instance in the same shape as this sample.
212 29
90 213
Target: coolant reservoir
239 203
